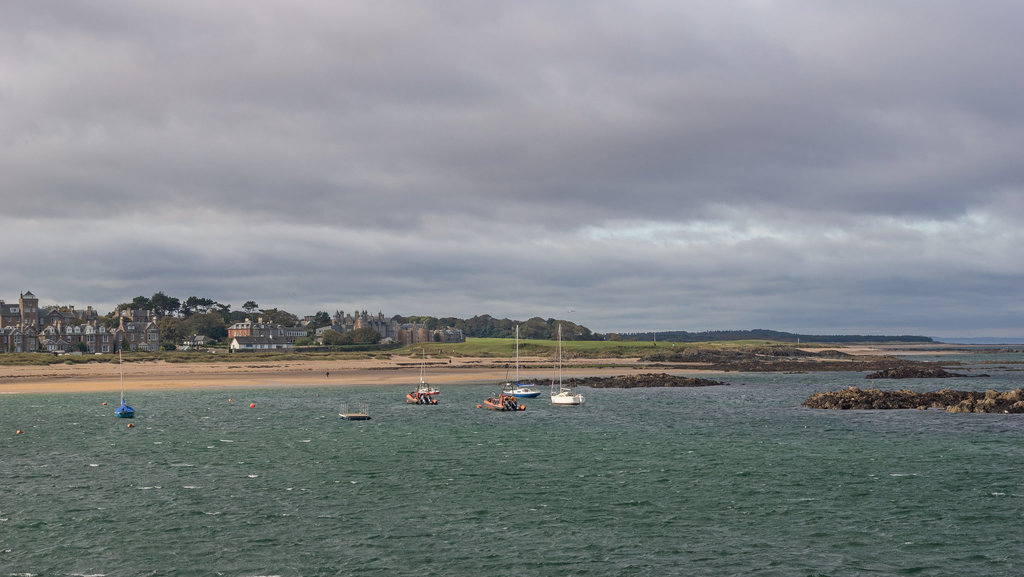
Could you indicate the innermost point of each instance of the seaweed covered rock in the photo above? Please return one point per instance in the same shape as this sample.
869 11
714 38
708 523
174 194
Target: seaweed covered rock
949 400
775 359
643 380
912 372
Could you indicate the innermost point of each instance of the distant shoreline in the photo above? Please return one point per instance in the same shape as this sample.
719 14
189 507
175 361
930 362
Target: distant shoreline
242 372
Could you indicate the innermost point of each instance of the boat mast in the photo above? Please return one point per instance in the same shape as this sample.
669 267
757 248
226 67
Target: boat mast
559 356
120 365
517 355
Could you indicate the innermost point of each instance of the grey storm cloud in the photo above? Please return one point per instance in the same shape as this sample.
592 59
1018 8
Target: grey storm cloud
819 167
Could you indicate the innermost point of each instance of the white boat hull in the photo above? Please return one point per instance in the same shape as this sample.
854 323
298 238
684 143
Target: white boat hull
566 398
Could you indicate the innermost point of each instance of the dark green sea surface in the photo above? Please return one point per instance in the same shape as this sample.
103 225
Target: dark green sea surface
736 480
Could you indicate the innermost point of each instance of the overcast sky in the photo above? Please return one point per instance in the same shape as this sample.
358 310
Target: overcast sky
817 167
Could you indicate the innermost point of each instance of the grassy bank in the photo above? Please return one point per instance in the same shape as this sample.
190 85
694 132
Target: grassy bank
473 348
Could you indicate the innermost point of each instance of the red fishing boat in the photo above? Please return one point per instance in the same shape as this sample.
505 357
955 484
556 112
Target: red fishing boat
424 393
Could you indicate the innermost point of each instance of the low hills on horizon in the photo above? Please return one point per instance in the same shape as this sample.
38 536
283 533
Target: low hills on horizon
486 326
769 335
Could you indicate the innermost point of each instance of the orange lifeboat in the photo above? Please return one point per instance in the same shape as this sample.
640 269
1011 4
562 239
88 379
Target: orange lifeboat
502 402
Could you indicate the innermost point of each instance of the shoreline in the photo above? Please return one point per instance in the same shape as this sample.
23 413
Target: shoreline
241 372
160 375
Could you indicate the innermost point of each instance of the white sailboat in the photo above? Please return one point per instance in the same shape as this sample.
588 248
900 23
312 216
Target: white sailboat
519 389
562 394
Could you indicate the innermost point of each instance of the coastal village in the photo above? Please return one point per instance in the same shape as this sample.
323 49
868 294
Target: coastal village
27 327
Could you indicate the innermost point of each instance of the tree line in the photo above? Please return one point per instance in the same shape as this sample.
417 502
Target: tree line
486 326
180 319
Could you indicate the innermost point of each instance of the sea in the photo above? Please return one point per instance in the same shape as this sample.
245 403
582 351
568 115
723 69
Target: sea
726 480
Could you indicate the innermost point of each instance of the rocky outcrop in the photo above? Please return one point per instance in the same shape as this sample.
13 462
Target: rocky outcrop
644 380
949 400
912 372
775 359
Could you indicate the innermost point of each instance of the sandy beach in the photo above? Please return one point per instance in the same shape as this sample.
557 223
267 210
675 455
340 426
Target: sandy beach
106 376
398 370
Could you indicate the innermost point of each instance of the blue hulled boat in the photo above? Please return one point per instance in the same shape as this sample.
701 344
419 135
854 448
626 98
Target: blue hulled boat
519 389
124 411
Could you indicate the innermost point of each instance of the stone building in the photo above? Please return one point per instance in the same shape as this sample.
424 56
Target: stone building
138 336
248 335
391 330
25 327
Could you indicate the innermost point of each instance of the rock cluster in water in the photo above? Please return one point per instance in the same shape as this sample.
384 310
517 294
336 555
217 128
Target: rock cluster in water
912 372
777 359
951 401
643 380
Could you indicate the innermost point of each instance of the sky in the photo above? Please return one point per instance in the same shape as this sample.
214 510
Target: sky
816 167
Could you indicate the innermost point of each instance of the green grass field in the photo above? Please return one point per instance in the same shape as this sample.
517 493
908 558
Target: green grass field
505 348
485 348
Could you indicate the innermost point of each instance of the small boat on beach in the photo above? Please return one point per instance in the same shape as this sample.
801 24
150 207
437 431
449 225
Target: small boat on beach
519 389
424 394
124 411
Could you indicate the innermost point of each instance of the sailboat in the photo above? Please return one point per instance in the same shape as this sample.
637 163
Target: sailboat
124 411
563 395
424 394
519 389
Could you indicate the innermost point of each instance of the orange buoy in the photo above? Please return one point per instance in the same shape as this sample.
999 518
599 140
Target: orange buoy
18 432
252 405
104 403
131 425
479 406
231 400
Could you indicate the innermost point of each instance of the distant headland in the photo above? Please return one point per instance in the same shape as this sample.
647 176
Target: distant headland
769 335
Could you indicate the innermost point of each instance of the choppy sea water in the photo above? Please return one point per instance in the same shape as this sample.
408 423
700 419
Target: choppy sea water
736 480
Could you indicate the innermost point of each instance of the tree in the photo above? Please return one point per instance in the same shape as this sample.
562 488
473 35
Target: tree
141 303
225 312
276 317
163 305
535 328
332 338
210 324
365 336
320 319
173 330
195 304
250 307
